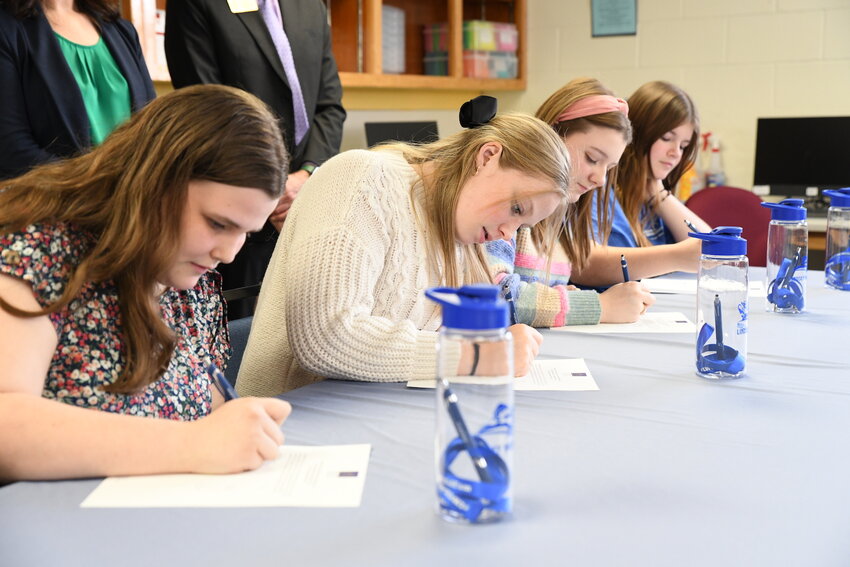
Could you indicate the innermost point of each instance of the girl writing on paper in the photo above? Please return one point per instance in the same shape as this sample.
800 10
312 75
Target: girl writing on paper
110 309
371 230
648 221
594 126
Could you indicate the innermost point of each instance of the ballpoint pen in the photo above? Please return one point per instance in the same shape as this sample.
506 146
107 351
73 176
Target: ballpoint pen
221 383
478 459
718 324
691 226
625 266
511 306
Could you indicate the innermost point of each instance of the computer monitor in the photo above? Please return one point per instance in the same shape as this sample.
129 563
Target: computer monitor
796 155
377 132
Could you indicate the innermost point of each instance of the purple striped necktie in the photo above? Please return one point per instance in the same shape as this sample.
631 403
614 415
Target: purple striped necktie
270 10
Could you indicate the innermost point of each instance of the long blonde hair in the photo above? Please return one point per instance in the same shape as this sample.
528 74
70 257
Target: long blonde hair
529 146
130 192
655 108
577 237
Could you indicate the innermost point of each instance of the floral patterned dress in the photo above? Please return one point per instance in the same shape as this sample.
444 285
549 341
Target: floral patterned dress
89 353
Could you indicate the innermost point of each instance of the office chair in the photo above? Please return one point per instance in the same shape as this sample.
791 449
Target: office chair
733 206
239 329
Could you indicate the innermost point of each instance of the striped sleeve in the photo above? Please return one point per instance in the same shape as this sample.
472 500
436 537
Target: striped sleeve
517 267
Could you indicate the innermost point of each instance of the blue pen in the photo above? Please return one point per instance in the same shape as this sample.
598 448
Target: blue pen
478 459
221 383
718 323
625 266
511 306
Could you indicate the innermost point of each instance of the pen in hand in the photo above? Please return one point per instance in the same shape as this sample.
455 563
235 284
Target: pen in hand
625 266
221 383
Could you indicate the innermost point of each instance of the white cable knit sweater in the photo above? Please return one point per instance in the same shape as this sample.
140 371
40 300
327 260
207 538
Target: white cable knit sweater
343 294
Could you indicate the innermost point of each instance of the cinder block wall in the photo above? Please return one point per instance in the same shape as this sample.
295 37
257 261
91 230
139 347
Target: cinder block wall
739 60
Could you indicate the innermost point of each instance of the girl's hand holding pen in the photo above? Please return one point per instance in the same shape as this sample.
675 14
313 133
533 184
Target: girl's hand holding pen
526 346
625 302
236 437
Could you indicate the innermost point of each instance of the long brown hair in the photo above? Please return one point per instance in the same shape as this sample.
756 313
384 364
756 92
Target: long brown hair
528 146
98 10
577 237
655 108
130 192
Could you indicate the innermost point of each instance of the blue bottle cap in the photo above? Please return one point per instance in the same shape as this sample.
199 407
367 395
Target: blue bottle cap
722 241
788 210
839 197
476 306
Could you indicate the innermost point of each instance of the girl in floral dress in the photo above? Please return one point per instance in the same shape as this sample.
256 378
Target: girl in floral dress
109 300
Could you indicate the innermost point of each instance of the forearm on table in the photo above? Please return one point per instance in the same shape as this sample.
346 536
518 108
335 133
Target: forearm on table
604 269
46 439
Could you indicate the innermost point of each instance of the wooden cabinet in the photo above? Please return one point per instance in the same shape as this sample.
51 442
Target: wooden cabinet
356 32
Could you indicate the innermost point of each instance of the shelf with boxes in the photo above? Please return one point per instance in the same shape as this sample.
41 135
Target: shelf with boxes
438 44
358 32
489 49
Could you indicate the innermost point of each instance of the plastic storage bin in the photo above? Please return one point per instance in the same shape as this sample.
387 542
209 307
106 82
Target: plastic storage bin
503 65
507 38
436 63
435 38
489 64
479 35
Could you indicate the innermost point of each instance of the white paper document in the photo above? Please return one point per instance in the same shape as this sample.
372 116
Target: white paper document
563 374
689 287
650 322
322 477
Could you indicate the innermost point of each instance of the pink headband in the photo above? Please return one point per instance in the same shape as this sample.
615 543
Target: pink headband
594 104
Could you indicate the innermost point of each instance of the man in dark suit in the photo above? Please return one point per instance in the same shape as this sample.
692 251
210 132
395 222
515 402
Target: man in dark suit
239 43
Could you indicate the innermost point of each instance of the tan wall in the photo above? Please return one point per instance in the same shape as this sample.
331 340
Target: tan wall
739 60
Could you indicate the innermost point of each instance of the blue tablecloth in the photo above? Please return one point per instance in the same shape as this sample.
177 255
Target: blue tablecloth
659 467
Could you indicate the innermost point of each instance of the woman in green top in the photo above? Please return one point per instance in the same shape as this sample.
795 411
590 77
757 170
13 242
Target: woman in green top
71 71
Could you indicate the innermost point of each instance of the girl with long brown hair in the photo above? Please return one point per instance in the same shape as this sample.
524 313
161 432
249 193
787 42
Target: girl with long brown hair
109 301
647 220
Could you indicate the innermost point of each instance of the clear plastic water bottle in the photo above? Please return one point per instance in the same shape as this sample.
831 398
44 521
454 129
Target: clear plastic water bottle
722 308
837 269
787 256
475 405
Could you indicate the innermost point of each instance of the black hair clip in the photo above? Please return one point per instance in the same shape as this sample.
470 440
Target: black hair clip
477 111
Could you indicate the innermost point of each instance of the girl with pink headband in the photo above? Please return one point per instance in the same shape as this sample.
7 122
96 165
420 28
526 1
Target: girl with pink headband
647 222
595 128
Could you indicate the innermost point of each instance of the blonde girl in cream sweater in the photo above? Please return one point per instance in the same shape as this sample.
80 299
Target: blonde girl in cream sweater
371 230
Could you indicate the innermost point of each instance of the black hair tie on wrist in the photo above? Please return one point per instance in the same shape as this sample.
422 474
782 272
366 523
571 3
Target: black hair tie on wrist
478 111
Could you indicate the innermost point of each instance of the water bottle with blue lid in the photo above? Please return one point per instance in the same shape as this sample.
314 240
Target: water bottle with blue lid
787 256
722 307
475 405
837 268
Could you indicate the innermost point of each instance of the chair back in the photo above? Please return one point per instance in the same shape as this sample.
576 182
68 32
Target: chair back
733 206
239 330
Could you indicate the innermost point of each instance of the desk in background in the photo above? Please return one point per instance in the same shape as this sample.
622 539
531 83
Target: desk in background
657 468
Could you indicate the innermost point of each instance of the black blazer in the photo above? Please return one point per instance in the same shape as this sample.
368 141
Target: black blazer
42 115
206 43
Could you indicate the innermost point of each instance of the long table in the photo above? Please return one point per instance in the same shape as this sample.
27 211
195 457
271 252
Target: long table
658 467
